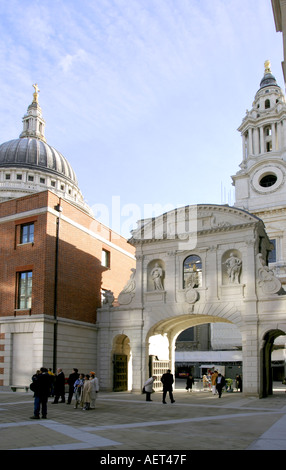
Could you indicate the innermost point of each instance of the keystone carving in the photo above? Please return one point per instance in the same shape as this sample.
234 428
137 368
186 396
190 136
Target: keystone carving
127 294
266 279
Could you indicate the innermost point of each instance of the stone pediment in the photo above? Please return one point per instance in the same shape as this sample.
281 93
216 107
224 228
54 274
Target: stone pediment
182 222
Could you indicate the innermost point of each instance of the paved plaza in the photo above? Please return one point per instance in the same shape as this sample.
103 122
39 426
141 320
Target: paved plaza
126 422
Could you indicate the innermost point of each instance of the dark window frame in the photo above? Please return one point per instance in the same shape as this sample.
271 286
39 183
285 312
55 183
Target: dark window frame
25 286
27 233
272 255
107 258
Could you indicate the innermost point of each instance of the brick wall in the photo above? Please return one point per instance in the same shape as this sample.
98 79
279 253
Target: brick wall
80 276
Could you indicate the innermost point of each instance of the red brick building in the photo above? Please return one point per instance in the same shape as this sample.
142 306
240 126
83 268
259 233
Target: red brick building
57 261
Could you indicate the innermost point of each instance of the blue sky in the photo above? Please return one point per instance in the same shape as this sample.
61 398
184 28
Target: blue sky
143 97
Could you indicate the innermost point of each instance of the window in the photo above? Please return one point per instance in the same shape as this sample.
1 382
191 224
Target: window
187 335
268 180
268 131
42 180
25 290
7 176
192 276
19 177
267 104
27 233
53 184
105 258
30 178
272 254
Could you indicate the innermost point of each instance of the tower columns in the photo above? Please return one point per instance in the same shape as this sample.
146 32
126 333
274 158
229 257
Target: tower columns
273 133
250 145
244 146
256 140
261 134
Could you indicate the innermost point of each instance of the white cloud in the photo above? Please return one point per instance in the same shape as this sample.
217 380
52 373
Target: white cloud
69 60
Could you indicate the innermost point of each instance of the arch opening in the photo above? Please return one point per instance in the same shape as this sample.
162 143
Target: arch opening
194 344
273 355
122 363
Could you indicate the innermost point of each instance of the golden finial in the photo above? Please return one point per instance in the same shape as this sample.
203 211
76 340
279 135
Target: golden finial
35 94
267 67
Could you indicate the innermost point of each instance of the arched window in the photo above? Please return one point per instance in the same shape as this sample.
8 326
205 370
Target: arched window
267 131
192 276
267 104
268 138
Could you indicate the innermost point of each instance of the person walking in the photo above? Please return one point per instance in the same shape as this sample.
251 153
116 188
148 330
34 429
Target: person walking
149 387
238 381
71 381
59 387
190 382
220 383
42 387
167 380
94 389
213 381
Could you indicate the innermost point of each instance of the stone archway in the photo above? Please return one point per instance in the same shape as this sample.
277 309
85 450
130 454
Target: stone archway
266 386
161 338
121 354
249 301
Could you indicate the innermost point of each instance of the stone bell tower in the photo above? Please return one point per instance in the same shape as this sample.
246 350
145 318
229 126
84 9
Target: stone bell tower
260 184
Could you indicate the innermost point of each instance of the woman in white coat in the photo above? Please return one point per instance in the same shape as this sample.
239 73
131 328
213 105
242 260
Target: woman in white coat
85 396
149 387
94 389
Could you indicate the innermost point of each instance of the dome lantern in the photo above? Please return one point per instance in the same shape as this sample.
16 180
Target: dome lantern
33 122
268 79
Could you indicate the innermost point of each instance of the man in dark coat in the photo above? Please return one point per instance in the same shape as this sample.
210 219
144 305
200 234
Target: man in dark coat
167 380
60 387
71 380
41 387
220 383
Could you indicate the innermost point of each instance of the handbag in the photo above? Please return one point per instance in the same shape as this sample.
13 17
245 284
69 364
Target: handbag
143 390
33 386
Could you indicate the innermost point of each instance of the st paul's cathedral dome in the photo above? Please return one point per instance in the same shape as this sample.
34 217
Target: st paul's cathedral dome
28 164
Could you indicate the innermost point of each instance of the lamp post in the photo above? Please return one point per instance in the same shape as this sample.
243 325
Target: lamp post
59 209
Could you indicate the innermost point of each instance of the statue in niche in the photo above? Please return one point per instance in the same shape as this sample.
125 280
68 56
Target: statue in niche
192 281
193 278
157 274
233 268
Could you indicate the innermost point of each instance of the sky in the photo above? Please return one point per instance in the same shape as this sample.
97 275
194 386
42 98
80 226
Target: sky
142 97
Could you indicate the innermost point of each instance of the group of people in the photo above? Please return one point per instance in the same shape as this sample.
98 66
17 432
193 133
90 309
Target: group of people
85 388
167 380
217 381
45 383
